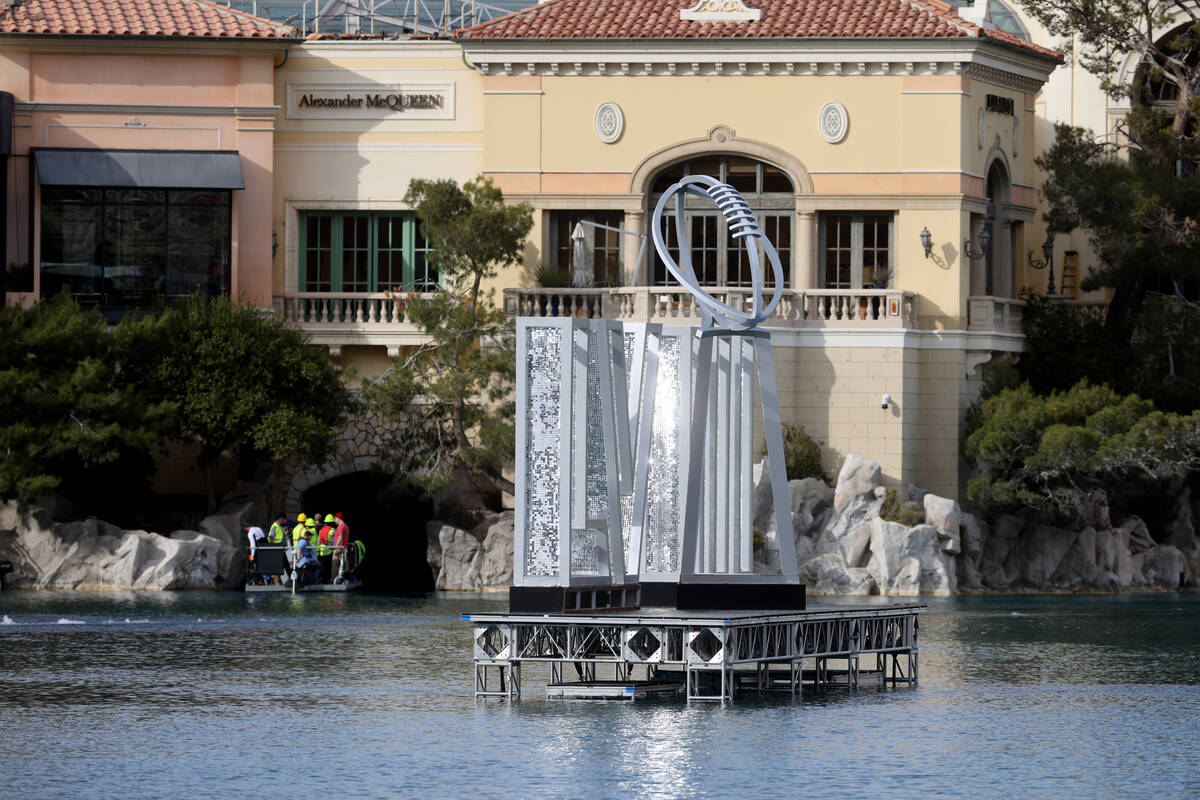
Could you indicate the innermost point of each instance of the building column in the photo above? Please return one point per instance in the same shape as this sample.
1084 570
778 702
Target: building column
631 245
805 268
1005 267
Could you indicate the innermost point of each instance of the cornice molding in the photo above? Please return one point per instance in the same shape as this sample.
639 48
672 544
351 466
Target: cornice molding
146 110
761 57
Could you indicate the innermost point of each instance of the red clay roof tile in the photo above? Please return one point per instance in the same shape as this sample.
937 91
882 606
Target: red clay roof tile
780 19
159 18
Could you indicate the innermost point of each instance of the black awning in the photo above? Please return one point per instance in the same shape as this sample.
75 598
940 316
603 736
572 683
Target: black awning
148 169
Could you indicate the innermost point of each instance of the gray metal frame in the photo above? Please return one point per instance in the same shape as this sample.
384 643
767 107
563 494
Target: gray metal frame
742 650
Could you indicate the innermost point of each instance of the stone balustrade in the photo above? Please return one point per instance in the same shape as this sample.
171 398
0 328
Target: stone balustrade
366 310
1000 314
813 308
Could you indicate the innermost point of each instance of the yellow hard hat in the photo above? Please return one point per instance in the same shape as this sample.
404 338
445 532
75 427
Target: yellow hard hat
301 517
329 518
310 522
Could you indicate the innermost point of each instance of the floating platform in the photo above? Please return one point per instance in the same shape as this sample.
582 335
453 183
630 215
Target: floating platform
348 586
614 690
711 655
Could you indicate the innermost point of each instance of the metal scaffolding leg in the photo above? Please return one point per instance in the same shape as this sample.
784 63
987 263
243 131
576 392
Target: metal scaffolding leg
507 676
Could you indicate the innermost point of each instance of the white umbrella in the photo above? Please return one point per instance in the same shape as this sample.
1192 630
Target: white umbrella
579 256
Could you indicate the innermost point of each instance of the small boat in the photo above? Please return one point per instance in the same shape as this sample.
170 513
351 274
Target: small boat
272 572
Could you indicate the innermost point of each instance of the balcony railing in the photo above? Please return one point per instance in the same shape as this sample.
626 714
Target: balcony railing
1001 314
813 308
358 310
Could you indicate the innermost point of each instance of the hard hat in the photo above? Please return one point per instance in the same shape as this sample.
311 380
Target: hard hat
300 517
329 517
310 522
338 515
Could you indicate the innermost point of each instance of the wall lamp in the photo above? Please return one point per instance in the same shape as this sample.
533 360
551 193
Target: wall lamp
927 241
985 240
1047 259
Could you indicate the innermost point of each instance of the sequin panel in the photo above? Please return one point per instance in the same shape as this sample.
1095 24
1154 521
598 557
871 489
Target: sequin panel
629 340
543 367
597 470
586 552
662 499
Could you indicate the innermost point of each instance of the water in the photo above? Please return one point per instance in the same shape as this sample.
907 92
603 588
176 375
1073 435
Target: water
149 695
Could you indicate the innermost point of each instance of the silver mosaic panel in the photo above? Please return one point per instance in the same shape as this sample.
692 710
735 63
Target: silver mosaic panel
596 467
587 552
543 368
626 530
629 341
663 504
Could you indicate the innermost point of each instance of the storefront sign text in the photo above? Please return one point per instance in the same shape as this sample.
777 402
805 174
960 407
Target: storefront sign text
375 102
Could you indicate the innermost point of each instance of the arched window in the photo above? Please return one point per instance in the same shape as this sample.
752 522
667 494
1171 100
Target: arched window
1002 16
1156 86
720 260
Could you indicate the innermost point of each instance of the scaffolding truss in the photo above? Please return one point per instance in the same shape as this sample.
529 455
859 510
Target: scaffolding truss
708 657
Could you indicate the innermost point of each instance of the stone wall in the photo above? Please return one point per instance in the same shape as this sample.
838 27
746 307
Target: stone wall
844 546
356 449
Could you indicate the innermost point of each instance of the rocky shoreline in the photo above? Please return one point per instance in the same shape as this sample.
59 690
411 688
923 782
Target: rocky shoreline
844 546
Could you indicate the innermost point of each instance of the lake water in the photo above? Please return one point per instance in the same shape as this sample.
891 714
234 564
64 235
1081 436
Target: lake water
146 695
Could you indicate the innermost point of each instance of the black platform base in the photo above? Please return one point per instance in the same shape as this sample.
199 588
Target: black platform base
681 596
724 596
564 599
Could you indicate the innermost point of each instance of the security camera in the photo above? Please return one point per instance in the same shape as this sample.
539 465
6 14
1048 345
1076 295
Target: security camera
887 398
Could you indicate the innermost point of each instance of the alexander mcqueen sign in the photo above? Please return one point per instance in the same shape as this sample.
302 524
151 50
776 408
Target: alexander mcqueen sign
325 101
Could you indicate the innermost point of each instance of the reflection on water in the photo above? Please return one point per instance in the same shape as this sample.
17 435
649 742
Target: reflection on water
174 694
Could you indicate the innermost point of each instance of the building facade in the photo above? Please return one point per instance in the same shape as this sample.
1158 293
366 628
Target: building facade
885 146
140 167
848 140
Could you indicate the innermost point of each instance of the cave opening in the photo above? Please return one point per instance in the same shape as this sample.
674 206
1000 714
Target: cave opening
389 522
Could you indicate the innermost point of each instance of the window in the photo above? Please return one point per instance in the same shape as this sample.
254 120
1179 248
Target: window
856 251
363 252
131 248
601 247
717 258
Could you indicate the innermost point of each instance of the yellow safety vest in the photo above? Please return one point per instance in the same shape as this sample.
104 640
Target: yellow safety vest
297 533
276 534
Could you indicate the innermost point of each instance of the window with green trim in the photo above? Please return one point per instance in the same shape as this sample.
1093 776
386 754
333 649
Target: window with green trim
363 251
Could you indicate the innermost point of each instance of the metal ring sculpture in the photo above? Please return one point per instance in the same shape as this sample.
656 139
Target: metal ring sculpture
742 225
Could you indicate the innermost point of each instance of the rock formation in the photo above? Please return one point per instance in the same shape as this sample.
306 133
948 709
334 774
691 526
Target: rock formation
92 554
470 561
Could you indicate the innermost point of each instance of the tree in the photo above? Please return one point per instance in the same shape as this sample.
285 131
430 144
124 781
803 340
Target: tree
1101 35
239 378
449 402
1050 451
69 409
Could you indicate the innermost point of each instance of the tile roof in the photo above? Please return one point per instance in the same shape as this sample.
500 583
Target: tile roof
156 18
780 19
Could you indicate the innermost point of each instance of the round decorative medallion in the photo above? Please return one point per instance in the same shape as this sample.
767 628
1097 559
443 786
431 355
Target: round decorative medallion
833 122
609 122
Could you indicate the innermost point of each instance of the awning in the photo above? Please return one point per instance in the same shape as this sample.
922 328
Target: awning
148 169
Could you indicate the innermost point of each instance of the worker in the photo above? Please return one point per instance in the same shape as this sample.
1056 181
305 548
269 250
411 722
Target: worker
278 532
307 557
325 545
256 536
310 532
341 541
301 530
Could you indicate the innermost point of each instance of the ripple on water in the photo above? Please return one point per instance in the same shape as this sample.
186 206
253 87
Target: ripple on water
1034 703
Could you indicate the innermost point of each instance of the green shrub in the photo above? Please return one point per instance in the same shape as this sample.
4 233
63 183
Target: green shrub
1049 452
545 276
906 513
801 454
760 541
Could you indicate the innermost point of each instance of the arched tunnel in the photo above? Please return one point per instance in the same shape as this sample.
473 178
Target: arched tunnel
391 524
